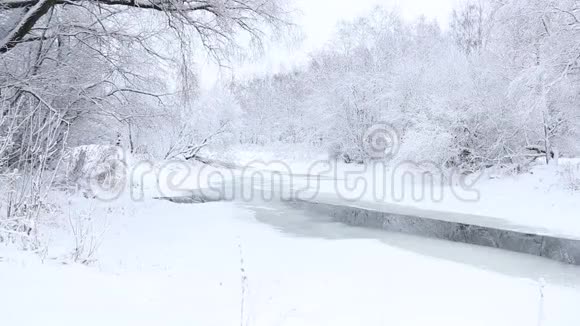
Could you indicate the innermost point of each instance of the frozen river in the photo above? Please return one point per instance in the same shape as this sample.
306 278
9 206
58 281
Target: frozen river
311 224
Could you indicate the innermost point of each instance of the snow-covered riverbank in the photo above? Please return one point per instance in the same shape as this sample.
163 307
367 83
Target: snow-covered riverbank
138 260
543 200
164 263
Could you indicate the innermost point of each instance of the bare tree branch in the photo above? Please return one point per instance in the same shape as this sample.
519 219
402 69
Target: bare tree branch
34 13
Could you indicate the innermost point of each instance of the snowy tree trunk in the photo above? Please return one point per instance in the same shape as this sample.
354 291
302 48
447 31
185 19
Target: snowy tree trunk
547 138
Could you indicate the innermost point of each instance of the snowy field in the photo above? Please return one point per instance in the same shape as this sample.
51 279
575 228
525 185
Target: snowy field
253 264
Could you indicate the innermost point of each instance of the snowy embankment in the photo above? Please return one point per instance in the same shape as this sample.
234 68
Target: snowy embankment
215 264
136 260
544 200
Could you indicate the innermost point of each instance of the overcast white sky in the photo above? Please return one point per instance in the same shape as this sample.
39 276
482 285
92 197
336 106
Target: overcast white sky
318 19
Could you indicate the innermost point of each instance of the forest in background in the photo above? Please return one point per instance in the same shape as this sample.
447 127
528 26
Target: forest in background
498 87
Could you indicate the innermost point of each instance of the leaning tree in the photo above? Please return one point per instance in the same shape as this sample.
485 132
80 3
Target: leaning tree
66 62
63 59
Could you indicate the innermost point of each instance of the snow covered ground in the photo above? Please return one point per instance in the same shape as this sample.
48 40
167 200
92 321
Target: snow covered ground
248 264
135 260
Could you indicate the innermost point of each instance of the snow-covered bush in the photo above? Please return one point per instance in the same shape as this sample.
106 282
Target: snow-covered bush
87 239
441 145
30 150
94 165
570 173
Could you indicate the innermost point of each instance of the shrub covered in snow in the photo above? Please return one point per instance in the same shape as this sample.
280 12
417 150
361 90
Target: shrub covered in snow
105 166
570 173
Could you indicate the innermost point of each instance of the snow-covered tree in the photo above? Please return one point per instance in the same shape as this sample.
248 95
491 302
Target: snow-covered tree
500 87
